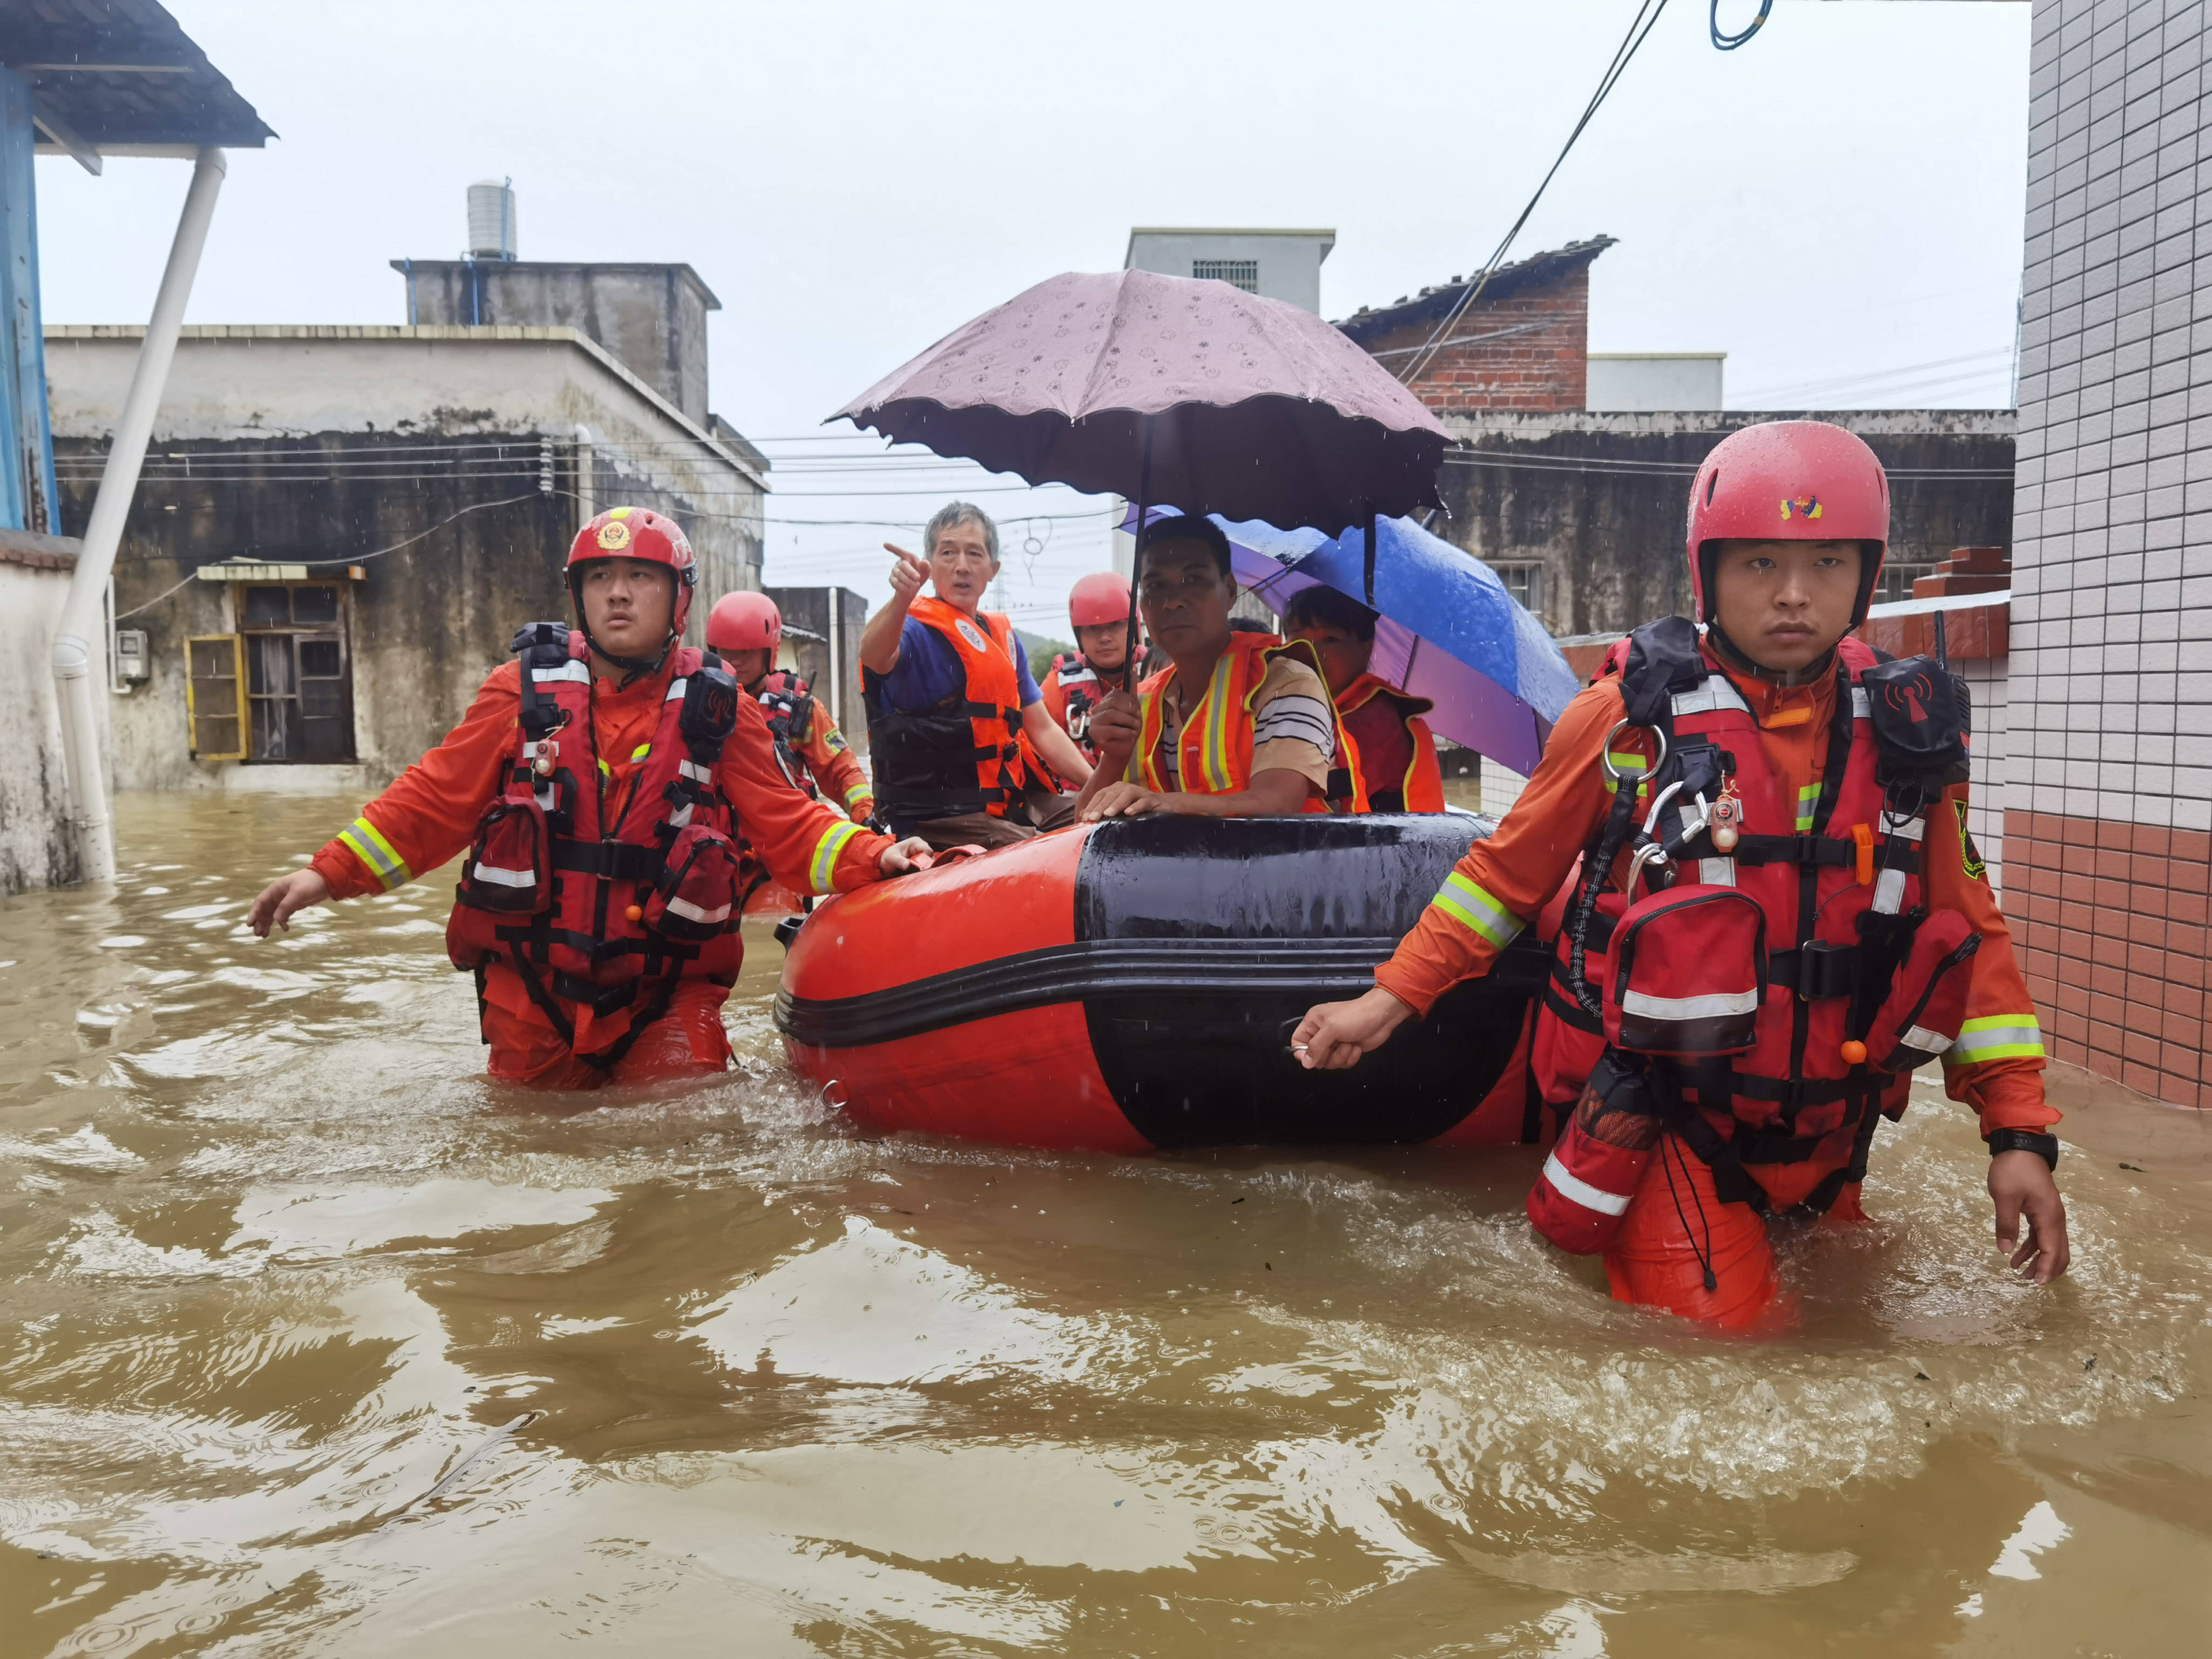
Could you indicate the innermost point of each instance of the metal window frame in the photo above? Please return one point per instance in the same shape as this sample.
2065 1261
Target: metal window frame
241 715
1221 270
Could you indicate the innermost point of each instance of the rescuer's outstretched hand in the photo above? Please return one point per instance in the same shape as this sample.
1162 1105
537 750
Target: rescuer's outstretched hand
2021 1184
904 857
283 898
1334 1037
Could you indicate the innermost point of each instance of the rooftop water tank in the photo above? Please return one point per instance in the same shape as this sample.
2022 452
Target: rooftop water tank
491 219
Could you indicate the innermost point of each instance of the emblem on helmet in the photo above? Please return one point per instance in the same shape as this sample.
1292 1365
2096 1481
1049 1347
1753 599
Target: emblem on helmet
614 535
1802 507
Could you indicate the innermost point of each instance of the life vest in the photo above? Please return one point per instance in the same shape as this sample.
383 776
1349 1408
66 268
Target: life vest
597 902
1080 691
961 756
787 703
1770 1003
1213 751
1422 789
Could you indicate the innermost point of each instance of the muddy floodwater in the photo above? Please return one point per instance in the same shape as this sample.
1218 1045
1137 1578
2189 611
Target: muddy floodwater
313 1343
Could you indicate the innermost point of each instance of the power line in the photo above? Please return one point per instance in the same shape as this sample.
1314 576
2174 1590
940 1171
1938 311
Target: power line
1622 55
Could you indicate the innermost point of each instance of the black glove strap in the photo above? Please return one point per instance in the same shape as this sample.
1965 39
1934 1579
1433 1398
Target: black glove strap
2025 1140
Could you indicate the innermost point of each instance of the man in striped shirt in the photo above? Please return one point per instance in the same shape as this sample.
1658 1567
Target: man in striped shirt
1237 726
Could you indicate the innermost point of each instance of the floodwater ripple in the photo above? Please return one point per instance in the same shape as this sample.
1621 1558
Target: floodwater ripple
279 1263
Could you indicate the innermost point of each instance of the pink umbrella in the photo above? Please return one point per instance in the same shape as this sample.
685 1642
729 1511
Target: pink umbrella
1168 389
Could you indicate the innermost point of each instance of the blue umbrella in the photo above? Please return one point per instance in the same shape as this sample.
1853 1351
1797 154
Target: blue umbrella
1448 631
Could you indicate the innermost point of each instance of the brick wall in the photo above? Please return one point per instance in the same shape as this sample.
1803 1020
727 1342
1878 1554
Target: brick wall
2108 794
1529 349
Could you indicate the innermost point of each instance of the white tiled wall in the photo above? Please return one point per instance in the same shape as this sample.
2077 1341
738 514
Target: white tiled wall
2111 696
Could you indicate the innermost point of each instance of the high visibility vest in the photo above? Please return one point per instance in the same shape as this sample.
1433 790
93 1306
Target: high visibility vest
962 755
596 901
1817 860
1422 789
1213 752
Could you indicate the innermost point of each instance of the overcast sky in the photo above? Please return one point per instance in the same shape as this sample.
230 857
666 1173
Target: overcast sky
1837 205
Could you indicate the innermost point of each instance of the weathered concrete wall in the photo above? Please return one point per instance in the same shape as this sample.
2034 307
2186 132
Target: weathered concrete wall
301 445
36 847
1599 500
424 626
653 317
810 608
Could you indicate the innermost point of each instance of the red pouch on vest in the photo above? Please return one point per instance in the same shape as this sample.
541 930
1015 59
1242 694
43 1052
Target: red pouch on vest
1689 973
509 869
1579 1199
1567 1040
697 890
1927 1001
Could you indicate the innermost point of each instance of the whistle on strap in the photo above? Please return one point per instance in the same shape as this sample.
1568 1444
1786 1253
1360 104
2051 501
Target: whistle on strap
1862 845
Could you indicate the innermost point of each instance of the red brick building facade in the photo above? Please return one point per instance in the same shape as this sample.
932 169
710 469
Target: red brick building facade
1523 343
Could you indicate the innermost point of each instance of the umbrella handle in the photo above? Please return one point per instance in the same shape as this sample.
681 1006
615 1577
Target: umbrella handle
1137 560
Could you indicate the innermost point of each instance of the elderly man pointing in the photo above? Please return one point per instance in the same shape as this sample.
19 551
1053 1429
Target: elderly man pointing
950 695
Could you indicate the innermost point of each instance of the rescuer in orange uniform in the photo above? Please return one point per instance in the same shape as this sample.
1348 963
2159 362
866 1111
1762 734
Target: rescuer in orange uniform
1388 748
1806 790
1098 611
745 628
602 800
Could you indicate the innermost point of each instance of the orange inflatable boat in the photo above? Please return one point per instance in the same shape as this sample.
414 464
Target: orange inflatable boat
1135 984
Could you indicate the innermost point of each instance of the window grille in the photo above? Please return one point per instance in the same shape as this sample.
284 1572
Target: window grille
1525 583
1237 273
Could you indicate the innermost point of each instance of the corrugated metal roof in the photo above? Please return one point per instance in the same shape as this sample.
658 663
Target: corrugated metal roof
119 76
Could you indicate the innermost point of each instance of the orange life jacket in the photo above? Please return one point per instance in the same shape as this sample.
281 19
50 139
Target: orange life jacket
964 755
1422 789
1834 870
606 904
1213 752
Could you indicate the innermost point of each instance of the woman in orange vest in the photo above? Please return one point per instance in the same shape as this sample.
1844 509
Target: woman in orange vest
1727 1044
1237 724
1387 749
950 697
601 786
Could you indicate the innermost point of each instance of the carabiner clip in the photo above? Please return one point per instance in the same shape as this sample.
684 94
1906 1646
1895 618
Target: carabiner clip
1604 754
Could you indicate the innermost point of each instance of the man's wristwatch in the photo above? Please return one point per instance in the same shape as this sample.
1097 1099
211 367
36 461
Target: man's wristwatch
2025 1140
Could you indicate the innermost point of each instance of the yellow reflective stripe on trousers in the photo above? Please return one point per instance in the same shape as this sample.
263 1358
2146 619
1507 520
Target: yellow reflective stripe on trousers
1476 910
826 854
1808 798
1996 1036
373 850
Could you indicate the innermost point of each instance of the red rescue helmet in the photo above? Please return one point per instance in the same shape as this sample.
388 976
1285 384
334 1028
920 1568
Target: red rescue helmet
1790 481
638 532
1100 598
745 621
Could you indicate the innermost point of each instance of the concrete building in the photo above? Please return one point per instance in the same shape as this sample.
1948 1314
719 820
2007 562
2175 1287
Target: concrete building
652 318
1571 483
86 82
1582 512
1647 381
1276 265
341 527
2108 798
